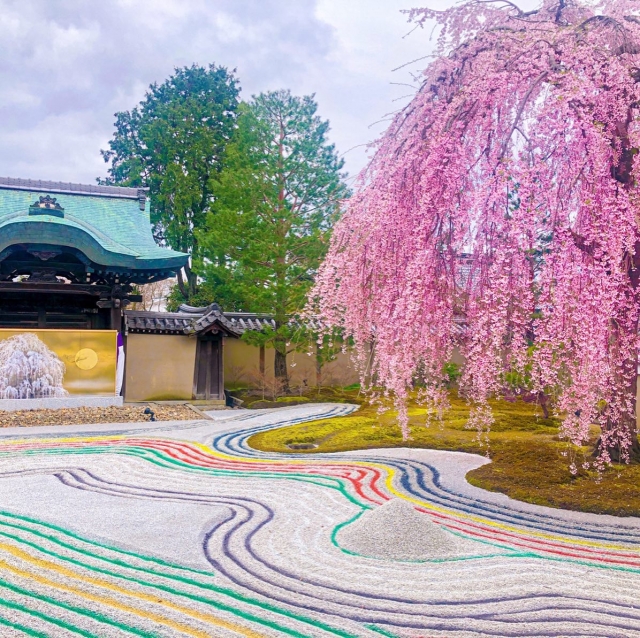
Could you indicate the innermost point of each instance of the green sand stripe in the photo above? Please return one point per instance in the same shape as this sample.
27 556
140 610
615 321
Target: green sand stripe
511 553
161 459
170 590
20 627
380 630
94 615
187 581
115 561
164 460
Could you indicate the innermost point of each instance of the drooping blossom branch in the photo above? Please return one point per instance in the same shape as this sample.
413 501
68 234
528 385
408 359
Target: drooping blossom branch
500 215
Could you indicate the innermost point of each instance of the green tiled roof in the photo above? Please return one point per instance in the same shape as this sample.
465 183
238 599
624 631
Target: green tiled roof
105 223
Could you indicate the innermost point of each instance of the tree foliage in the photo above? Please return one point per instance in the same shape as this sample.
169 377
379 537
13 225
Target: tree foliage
501 211
173 142
276 202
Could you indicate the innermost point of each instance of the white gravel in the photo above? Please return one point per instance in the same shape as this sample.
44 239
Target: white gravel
397 531
271 537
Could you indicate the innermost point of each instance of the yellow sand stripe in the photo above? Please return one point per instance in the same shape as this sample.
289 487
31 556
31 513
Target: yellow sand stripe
507 528
42 564
390 474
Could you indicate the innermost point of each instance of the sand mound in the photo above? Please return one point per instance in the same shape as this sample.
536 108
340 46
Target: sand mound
397 531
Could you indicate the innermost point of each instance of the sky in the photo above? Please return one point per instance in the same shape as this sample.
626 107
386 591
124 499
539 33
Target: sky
66 66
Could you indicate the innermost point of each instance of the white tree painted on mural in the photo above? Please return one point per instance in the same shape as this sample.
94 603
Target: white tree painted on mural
29 369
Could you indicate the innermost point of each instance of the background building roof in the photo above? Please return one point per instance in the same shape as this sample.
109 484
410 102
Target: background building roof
192 321
109 224
73 189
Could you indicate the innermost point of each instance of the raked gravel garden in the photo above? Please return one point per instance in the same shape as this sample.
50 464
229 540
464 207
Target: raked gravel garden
180 528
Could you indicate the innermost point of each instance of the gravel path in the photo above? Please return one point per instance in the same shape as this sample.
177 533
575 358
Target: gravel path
80 415
181 529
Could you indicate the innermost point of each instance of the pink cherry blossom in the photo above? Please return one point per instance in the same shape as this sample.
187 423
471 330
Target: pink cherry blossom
500 215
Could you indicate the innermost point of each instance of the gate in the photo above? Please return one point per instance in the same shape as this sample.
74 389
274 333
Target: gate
208 382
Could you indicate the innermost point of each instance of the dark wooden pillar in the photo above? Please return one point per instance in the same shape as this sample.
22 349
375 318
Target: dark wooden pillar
116 300
115 318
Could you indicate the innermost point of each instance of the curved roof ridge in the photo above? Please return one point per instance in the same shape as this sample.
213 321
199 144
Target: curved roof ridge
72 188
88 228
107 217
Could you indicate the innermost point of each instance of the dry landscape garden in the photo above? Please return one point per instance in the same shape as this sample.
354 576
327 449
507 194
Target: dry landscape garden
529 462
242 395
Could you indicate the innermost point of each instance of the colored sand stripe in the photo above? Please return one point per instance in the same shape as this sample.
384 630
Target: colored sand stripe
358 481
133 592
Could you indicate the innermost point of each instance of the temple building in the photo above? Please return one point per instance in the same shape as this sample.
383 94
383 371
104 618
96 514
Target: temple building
70 254
70 258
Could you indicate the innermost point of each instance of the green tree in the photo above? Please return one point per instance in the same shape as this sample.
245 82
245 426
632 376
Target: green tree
276 201
173 142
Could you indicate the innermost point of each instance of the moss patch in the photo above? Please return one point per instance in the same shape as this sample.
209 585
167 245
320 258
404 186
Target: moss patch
308 395
529 462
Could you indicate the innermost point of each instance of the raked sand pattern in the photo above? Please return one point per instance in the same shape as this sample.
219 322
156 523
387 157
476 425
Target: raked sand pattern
183 530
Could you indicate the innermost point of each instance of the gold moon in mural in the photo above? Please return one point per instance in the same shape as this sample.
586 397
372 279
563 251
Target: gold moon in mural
86 359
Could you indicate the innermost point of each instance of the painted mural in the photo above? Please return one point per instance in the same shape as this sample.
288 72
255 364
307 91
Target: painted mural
37 364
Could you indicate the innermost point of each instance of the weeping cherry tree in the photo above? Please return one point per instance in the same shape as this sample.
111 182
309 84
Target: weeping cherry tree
504 200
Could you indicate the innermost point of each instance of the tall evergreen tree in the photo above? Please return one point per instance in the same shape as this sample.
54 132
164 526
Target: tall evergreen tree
173 142
276 202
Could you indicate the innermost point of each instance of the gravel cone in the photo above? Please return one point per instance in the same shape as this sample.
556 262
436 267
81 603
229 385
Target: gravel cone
396 531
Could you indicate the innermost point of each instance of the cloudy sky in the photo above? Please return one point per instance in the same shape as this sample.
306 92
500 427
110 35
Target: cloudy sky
66 66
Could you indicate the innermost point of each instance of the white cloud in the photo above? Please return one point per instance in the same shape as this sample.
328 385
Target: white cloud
372 37
67 65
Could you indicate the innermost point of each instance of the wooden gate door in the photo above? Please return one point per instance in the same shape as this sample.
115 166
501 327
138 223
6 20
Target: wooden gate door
208 380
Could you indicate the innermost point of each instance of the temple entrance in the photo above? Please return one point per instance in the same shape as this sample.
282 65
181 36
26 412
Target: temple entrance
208 382
54 305
71 254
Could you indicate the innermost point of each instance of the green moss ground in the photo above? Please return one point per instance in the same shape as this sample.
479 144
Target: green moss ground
529 462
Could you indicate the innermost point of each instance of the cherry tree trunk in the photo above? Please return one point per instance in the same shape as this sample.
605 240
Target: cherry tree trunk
634 452
615 452
609 442
623 173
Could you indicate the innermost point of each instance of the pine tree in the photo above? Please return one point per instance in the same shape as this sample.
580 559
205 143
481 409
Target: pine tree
276 202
